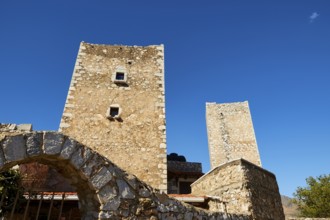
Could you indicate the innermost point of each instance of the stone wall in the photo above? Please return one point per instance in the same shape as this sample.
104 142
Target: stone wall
135 139
243 188
230 133
226 185
263 191
105 191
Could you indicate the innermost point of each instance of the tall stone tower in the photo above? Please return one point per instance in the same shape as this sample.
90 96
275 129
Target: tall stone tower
116 106
230 133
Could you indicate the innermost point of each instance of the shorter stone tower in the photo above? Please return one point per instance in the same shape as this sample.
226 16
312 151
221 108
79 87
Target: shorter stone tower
116 106
230 133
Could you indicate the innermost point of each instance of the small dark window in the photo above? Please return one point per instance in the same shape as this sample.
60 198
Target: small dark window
114 111
120 76
184 187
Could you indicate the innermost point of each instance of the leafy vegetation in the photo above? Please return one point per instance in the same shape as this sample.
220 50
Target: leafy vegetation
314 200
10 185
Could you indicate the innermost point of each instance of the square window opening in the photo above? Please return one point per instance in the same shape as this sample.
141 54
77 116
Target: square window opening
114 111
120 76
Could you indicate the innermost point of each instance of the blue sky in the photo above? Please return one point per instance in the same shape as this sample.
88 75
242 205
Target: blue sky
275 54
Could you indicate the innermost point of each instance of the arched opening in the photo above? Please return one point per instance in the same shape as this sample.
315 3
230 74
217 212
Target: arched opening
37 191
104 190
62 156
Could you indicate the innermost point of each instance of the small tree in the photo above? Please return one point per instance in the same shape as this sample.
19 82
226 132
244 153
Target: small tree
314 200
10 185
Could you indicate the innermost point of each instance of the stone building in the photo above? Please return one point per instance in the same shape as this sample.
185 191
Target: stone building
181 174
111 147
116 106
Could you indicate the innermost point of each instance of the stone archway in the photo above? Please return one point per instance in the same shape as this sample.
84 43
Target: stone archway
102 187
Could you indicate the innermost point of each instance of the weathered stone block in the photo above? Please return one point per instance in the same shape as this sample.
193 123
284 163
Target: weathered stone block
92 165
101 178
69 147
14 148
34 142
53 142
124 190
111 205
107 193
144 193
131 180
80 156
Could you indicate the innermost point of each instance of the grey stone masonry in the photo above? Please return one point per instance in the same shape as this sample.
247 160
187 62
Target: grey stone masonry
230 133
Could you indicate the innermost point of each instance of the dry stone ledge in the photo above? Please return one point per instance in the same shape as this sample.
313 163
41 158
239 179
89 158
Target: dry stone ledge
105 191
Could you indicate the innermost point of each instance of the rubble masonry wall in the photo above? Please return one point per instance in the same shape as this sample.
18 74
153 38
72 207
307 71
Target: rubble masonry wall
243 188
136 141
